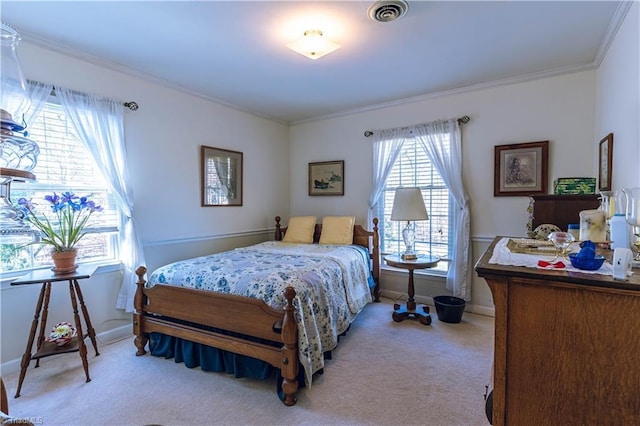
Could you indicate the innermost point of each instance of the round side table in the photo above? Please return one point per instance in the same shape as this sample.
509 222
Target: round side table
424 261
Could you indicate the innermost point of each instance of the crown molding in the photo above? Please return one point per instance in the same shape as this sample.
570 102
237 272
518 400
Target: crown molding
463 89
615 24
124 69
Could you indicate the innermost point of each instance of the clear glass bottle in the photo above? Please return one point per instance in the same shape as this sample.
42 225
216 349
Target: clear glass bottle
632 215
14 98
611 203
17 152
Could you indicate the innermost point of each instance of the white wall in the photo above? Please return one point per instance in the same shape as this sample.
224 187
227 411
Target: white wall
618 102
163 139
559 109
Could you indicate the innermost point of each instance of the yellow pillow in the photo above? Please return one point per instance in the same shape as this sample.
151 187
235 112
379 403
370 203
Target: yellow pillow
337 230
300 229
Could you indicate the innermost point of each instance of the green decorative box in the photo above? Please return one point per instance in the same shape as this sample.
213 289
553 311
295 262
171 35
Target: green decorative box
574 186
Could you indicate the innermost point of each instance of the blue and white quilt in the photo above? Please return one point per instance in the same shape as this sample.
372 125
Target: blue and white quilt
331 283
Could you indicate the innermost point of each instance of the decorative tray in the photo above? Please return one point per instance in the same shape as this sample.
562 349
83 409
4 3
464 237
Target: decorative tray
530 246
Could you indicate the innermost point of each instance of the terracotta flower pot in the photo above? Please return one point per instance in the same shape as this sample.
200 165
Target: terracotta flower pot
64 262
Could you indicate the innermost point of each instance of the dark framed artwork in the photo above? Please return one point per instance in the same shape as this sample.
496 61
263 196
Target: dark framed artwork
521 169
220 177
605 162
326 178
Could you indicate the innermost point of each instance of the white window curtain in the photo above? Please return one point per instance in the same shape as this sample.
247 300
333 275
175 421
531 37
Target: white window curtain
99 123
38 93
387 145
449 165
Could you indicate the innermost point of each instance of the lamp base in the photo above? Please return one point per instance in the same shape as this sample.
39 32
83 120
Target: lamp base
409 256
409 238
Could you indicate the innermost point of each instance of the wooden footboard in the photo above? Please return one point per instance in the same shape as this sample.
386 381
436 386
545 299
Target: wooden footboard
157 308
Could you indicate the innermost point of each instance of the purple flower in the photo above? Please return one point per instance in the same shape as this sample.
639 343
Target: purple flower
66 226
91 205
53 199
68 197
25 203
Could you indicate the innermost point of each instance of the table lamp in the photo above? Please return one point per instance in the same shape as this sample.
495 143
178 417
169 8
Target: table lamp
408 205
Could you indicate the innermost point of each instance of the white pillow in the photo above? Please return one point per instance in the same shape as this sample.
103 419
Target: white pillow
300 229
337 230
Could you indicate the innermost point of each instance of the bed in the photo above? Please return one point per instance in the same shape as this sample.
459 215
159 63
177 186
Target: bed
278 302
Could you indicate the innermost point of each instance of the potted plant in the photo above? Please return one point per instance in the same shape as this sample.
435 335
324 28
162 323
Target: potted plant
63 228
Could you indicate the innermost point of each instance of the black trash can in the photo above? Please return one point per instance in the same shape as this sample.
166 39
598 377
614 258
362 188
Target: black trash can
449 308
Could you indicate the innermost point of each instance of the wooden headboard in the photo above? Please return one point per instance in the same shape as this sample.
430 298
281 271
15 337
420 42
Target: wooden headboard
367 239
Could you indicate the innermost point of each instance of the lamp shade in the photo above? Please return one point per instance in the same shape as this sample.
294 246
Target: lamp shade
408 205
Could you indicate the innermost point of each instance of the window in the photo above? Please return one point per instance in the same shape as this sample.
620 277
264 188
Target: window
64 164
413 168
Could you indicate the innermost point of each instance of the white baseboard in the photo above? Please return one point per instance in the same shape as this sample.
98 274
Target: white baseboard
399 296
116 334
106 337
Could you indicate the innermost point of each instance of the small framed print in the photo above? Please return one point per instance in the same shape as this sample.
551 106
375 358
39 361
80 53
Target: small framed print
521 169
220 177
326 178
605 162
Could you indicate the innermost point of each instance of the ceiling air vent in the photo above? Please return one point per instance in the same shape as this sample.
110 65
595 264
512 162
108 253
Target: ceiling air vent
388 10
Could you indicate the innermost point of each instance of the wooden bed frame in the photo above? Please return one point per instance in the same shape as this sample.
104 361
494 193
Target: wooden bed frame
156 309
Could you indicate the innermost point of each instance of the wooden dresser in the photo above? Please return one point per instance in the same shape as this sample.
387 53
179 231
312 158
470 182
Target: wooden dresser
567 346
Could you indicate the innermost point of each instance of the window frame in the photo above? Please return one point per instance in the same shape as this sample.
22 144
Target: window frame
110 226
386 203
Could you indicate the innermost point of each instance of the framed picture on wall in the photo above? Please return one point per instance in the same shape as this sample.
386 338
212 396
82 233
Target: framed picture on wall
521 169
220 177
605 162
326 178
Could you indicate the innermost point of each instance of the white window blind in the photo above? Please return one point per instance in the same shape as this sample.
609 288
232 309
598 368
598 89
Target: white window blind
413 168
64 165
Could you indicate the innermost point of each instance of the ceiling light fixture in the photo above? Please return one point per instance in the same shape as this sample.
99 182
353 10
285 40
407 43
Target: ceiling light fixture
313 44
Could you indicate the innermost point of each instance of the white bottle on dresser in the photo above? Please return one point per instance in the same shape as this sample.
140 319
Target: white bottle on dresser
619 231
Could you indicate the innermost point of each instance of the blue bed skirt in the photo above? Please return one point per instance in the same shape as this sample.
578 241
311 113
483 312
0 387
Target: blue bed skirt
216 360
207 358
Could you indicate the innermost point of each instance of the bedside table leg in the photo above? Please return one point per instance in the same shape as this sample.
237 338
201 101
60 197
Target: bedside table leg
411 304
26 358
43 319
81 346
85 314
400 313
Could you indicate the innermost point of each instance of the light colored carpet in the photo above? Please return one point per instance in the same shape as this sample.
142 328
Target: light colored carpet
382 373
